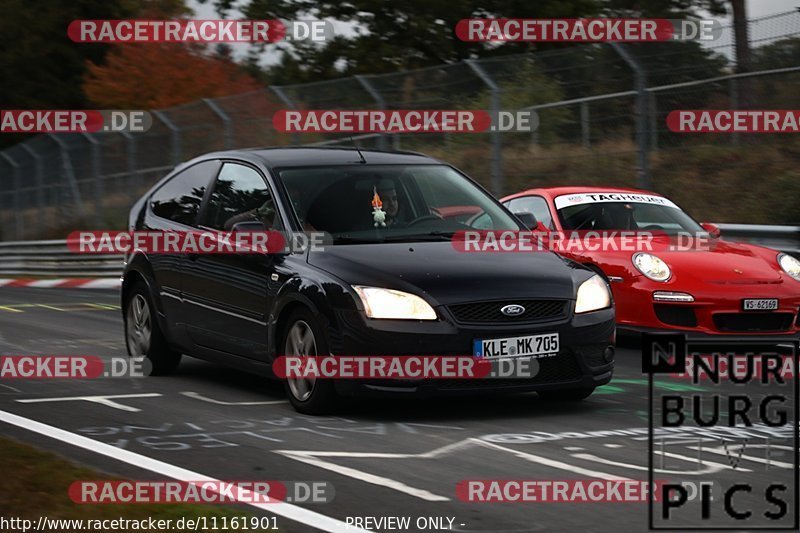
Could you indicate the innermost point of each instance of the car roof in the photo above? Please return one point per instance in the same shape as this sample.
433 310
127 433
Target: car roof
552 192
325 156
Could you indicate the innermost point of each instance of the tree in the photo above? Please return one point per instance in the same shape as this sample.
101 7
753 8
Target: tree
157 75
40 67
392 36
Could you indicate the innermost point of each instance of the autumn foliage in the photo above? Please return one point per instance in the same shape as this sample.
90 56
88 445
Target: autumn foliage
158 75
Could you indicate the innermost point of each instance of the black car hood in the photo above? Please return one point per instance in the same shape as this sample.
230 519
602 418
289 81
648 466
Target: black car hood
447 275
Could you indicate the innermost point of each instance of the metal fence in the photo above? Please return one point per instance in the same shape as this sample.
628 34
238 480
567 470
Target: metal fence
602 112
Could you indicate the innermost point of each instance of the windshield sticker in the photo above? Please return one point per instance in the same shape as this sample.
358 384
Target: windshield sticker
568 200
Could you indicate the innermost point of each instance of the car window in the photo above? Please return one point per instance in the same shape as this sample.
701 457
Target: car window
240 194
375 203
627 216
535 205
179 199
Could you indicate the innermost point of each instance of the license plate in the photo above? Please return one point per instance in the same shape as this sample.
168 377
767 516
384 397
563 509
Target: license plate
760 304
536 345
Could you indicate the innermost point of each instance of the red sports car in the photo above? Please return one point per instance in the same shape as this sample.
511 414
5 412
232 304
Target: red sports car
721 288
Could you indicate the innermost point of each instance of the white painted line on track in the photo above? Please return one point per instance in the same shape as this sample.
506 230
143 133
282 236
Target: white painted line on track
561 465
102 400
286 510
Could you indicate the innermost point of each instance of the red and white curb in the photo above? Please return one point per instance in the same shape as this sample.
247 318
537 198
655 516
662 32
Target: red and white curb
63 283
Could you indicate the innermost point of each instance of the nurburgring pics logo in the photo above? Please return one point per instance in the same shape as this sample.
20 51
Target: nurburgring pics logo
749 475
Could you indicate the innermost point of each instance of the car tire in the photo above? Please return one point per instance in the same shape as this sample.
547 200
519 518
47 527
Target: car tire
143 336
567 395
304 336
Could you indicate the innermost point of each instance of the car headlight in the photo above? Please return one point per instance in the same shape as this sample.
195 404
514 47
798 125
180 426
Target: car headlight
593 294
389 303
652 266
790 265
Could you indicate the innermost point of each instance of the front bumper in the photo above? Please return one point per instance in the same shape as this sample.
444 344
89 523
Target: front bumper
716 310
580 362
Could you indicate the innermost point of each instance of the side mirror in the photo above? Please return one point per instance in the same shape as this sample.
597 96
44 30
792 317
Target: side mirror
712 229
527 219
250 225
541 227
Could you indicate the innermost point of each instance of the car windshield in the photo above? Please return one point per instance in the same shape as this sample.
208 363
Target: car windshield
392 203
627 216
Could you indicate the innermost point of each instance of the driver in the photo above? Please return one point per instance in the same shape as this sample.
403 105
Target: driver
391 205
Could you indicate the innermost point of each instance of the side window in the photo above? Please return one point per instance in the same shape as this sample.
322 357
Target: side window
532 204
179 199
240 194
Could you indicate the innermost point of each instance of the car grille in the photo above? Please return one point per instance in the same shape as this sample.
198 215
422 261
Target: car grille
676 315
744 322
560 369
489 312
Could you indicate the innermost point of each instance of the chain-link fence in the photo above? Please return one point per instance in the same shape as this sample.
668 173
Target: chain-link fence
602 113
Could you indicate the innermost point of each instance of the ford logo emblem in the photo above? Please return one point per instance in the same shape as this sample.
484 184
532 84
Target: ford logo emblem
512 310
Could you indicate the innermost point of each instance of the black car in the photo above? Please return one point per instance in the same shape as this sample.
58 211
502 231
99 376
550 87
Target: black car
390 283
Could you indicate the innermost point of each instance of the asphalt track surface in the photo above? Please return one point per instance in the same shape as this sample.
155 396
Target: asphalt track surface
394 457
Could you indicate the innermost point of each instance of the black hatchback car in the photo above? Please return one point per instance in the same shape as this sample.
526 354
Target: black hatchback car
389 283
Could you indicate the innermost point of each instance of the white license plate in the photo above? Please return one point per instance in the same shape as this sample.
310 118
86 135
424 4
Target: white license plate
537 345
760 304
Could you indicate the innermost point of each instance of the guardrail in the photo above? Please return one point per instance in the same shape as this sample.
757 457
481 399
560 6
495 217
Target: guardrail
52 258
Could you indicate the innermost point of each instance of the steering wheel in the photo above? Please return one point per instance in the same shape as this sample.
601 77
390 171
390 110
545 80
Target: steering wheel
423 218
653 227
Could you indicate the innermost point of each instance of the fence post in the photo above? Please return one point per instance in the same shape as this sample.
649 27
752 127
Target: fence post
133 177
585 137
175 134
99 213
288 102
378 100
497 146
66 165
652 111
226 120
17 202
643 171
734 98
37 161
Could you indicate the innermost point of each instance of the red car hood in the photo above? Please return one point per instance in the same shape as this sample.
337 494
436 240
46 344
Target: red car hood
726 262
723 262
